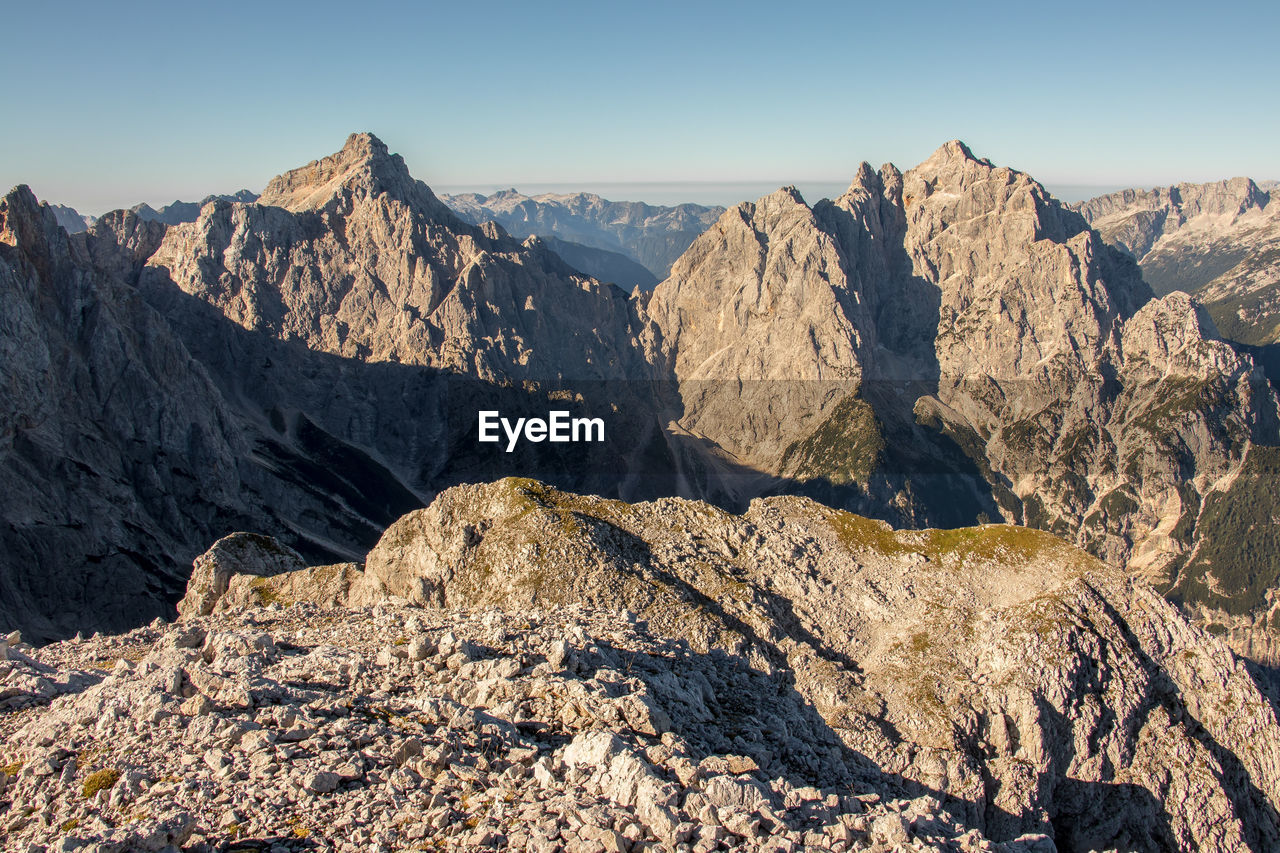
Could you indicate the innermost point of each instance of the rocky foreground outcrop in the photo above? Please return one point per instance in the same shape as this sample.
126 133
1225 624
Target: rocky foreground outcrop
522 668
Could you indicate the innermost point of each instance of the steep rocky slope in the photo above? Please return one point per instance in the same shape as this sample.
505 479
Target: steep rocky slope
315 363
364 314
350 255
541 670
1220 241
951 344
120 453
603 265
115 453
652 235
70 218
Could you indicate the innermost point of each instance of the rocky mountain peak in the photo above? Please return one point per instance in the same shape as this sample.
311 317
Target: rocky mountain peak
863 180
784 203
953 152
953 168
1215 240
353 256
18 212
364 167
31 228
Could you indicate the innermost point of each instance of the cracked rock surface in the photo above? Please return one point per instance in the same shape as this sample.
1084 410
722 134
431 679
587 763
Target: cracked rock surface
516 667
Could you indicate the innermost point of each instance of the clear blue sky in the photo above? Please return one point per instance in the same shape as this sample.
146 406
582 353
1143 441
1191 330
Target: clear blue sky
108 104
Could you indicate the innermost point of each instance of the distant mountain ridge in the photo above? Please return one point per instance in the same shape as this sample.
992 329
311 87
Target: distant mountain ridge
652 235
179 212
1219 241
171 214
70 218
610 256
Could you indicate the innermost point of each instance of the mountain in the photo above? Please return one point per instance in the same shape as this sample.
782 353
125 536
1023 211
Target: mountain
186 211
951 345
523 668
309 366
70 218
651 235
603 265
1219 241
116 452
351 256
939 347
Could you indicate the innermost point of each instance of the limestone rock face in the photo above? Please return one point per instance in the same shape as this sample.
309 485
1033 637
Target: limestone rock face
310 369
70 218
129 441
1027 686
236 554
115 450
178 212
651 235
1220 241
1137 220
1023 282
761 340
939 347
990 356
351 256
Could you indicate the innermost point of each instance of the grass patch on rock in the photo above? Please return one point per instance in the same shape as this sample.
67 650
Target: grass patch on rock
100 780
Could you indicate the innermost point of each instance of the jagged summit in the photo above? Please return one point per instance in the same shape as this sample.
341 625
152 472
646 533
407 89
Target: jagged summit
364 166
20 207
955 150
864 178
787 194
390 274
32 229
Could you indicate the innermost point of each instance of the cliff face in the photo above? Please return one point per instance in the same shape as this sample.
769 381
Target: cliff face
952 343
115 451
314 361
351 256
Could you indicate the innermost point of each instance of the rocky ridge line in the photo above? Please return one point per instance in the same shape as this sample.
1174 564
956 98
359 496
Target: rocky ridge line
652 235
1219 241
